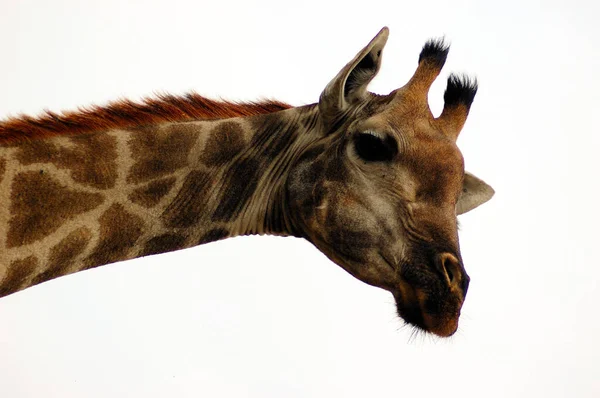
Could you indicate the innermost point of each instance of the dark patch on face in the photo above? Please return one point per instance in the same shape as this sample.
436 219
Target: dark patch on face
91 160
344 234
274 133
225 142
240 184
17 275
150 194
305 190
190 202
63 255
214 235
351 244
158 151
304 205
310 166
335 169
40 205
163 243
119 231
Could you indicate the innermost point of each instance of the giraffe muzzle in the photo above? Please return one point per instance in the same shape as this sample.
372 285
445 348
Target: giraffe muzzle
432 300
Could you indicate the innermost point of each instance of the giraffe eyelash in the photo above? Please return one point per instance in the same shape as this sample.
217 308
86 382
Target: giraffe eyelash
375 134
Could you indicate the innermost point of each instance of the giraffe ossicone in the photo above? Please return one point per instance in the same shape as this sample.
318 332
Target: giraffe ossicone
373 181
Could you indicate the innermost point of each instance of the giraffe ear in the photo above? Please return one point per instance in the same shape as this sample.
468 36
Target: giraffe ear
475 192
351 82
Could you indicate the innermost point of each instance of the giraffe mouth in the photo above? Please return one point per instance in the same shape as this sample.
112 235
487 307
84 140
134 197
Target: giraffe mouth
413 306
421 310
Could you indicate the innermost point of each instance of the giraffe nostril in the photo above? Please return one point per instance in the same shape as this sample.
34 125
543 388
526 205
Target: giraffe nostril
450 274
450 267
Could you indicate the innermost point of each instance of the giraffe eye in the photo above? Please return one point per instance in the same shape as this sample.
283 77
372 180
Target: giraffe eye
373 148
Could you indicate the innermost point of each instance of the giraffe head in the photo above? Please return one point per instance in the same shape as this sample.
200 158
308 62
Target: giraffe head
380 190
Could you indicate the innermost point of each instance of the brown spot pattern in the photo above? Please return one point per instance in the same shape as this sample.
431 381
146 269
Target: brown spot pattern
309 117
64 254
240 184
150 194
226 140
275 221
190 202
92 160
17 275
213 235
163 243
160 150
274 133
40 206
119 231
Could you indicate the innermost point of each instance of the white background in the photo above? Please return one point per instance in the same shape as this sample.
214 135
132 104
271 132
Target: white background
272 317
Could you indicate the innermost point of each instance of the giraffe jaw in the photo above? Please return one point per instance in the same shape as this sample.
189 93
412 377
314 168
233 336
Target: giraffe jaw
424 301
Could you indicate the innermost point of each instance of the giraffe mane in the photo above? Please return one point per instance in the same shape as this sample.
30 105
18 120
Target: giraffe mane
126 113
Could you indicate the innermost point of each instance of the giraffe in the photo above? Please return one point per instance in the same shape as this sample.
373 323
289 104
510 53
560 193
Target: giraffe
373 181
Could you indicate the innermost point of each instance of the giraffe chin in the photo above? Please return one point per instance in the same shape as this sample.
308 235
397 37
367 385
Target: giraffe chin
444 327
413 313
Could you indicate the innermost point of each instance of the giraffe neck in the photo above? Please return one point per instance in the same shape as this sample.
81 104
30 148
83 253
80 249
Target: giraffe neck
71 203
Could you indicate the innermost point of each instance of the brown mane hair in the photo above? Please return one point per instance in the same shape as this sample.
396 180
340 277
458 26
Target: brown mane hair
126 113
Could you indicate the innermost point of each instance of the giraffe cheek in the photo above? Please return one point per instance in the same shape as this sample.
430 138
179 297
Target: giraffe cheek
306 194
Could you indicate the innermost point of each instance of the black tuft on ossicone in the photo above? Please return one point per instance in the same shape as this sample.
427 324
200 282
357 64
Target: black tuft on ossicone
461 89
436 51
